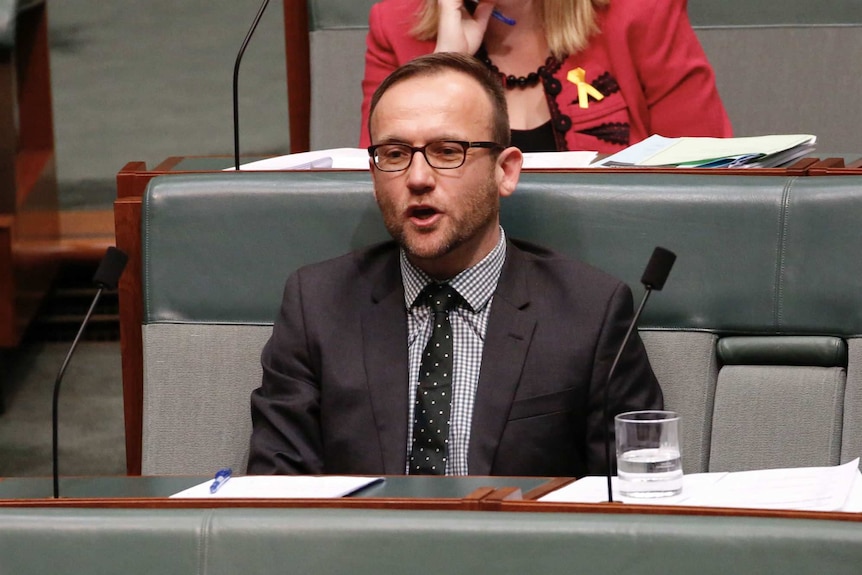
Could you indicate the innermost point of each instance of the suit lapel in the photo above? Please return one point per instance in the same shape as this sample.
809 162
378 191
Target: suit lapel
384 333
510 329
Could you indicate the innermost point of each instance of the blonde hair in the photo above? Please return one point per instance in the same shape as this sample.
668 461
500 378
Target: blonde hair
569 24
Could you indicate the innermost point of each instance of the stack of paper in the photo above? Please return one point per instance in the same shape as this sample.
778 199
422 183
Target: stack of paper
805 488
753 152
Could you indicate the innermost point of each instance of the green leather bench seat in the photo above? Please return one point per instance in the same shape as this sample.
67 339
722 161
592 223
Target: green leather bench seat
752 252
761 316
375 542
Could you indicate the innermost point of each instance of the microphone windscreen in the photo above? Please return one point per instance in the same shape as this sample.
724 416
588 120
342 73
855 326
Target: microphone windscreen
658 268
111 268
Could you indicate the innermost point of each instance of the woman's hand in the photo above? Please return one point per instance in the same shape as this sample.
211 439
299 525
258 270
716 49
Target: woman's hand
460 31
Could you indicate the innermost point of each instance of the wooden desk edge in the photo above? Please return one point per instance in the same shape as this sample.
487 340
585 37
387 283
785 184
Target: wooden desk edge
462 504
483 500
470 502
641 509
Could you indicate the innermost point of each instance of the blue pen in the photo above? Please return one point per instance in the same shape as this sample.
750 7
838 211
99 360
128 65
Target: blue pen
504 19
221 477
496 14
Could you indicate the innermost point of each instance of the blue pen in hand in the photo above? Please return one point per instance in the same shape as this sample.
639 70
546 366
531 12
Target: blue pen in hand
504 19
221 477
471 6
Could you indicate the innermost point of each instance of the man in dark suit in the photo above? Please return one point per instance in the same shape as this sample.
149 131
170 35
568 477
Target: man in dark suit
452 349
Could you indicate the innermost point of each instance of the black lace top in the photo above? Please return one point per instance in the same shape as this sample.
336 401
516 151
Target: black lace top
538 139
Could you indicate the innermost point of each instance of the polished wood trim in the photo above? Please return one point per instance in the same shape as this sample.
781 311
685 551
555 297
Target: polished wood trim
298 62
836 167
36 128
167 503
471 502
493 501
85 235
504 500
127 221
486 499
8 330
829 163
33 240
475 500
28 182
617 507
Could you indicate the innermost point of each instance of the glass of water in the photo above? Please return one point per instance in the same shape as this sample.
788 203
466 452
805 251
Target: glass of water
648 453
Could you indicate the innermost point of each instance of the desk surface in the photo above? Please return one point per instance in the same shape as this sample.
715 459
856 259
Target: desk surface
17 489
472 493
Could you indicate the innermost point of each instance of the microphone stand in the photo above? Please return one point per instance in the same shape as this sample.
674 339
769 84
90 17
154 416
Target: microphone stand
54 417
107 275
656 272
606 416
236 81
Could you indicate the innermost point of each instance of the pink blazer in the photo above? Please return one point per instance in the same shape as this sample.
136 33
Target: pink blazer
646 61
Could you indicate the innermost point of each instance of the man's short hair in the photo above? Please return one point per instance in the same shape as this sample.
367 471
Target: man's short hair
437 63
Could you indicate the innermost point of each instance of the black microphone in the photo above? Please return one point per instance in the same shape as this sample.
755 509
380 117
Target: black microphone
656 272
236 81
106 276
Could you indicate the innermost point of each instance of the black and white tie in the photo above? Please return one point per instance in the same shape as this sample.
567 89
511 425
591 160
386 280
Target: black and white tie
429 452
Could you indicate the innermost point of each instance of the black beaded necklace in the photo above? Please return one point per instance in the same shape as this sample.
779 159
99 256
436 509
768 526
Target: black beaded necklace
510 81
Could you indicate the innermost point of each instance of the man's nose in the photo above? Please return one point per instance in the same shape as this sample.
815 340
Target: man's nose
420 174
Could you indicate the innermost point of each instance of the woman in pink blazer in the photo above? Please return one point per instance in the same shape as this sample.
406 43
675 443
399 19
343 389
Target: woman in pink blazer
579 74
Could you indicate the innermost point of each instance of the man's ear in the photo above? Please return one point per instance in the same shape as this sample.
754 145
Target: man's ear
508 170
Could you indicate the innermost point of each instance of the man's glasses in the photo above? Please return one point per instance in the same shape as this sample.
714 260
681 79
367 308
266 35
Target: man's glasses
443 155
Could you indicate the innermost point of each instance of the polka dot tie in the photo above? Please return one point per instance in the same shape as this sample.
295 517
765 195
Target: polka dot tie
429 451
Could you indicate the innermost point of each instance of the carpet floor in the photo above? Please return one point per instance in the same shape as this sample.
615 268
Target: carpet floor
90 411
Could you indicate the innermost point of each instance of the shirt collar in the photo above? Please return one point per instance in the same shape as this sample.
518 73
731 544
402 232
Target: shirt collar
475 284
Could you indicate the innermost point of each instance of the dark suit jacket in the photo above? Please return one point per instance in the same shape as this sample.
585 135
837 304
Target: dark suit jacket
334 396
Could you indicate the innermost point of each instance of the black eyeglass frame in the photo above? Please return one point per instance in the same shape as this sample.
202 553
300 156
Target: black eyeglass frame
413 149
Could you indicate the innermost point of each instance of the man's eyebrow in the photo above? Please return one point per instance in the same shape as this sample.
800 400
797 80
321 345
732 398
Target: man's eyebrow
391 141
439 138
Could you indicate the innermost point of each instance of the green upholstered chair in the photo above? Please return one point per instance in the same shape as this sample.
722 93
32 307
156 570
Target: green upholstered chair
325 56
783 67
755 338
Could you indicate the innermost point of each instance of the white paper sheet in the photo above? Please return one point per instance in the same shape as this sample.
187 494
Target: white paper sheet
280 487
836 488
357 159
333 159
557 160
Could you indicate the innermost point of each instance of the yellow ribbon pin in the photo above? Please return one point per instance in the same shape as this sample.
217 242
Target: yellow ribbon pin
585 89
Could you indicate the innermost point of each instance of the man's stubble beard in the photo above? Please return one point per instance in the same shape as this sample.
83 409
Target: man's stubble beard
481 212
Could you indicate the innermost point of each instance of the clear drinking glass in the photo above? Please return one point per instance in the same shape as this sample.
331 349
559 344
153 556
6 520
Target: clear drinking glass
648 453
